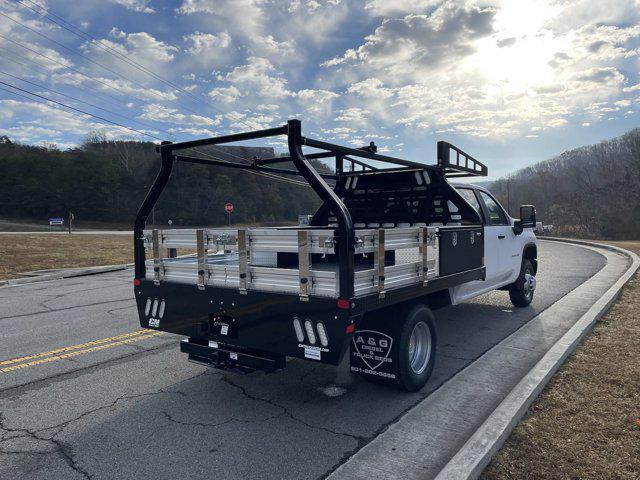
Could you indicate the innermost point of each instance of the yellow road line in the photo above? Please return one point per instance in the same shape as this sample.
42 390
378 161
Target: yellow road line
76 347
62 353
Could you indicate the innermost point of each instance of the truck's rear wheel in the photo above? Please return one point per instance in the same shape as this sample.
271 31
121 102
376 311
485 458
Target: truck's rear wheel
416 348
521 291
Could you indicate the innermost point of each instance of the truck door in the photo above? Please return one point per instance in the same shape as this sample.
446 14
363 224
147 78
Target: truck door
499 240
468 290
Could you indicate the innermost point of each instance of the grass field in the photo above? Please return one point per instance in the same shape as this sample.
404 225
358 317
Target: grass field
586 422
23 253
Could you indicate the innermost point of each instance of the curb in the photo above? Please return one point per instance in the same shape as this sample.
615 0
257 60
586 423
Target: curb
476 453
75 272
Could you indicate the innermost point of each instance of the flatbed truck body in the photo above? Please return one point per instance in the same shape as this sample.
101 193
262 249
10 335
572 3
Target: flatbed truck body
386 247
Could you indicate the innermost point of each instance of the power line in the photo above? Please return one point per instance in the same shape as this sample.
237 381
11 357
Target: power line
105 96
81 101
265 174
73 52
76 109
83 34
69 67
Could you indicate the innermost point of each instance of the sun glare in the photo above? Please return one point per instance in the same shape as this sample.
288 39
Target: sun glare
516 57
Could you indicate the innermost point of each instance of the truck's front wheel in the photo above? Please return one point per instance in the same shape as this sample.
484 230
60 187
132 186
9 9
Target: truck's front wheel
521 291
416 348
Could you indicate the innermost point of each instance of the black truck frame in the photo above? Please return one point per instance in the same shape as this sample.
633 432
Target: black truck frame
246 330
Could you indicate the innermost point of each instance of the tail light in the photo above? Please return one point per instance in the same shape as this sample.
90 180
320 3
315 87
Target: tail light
322 333
297 326
311 335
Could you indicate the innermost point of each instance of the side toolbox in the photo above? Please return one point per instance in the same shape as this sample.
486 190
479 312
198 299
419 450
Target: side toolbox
461 248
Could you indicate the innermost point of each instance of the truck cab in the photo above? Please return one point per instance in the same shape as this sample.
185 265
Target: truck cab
509 246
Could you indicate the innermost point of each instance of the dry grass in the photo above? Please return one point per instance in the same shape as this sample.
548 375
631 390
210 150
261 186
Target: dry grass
586 423
23 253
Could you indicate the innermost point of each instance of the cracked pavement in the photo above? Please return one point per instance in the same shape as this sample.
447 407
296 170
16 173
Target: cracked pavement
141 410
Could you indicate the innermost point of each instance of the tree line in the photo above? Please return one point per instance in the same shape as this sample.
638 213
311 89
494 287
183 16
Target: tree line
589 192
106 181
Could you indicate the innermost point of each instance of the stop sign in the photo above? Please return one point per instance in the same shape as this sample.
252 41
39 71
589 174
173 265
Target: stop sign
228 207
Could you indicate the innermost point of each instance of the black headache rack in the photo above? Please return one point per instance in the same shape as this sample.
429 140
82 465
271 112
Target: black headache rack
343 265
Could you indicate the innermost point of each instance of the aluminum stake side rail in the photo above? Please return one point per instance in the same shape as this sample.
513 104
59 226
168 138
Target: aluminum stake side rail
390 240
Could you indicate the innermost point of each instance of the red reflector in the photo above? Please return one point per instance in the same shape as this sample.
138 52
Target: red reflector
351 328
136 282
343 304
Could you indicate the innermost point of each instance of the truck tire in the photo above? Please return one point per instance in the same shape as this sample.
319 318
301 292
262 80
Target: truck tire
521 291
416 339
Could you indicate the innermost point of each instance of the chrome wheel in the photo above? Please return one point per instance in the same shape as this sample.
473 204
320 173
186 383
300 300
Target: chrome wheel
529 284
419 347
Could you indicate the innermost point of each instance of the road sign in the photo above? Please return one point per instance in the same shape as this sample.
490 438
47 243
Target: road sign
228 207
56 221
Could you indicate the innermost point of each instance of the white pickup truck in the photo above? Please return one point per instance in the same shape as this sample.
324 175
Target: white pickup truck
392 241
510 252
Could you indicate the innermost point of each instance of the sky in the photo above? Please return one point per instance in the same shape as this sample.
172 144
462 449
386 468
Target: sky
510 82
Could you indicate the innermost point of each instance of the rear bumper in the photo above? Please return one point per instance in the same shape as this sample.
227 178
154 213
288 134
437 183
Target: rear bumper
255 324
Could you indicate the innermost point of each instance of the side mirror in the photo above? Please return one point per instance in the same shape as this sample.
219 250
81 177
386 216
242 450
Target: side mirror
527 219
527 216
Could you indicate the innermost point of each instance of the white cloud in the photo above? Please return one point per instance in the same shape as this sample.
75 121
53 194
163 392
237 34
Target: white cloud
387 8
136 5
269 47
267 107
244 16
49 124
354 114
417 44
225 94
256 77
193 131
160 113
115 86
140 47
207 43
316 102
484 71
370 88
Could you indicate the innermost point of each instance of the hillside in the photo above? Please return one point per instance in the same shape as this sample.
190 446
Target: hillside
106 181
590 192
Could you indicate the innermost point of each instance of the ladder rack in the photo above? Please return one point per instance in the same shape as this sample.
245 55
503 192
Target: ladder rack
460 164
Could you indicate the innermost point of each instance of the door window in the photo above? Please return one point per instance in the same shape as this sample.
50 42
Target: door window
470 197
494 210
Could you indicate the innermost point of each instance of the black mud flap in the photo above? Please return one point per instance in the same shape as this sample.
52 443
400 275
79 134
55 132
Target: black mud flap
374 353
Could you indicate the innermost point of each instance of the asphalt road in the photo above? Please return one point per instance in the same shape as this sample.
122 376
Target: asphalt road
95 398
